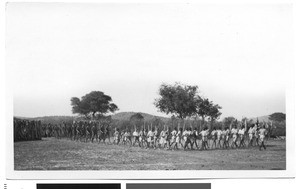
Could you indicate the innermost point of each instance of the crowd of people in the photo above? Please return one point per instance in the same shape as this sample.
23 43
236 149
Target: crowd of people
186 138
78 130
25 130
191 138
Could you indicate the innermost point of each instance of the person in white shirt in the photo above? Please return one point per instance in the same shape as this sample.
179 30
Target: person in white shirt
187 138
194 137
241 134
156 142
116 136
262 134
219 137
122 136
126 138
184 136
173 137
204 135
223 137
214 138
251 135
256 137
135 135
162 136
234 137
178 139
168 137
150 138
227 137
142 137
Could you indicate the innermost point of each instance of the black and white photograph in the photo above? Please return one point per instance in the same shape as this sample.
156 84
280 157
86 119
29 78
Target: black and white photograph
134 87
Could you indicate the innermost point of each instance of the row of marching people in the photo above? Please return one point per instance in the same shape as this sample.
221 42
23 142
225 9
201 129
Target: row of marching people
192 139
178 138
25 130
79 131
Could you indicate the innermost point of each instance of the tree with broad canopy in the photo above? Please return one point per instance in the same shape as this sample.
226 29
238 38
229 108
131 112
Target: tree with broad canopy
177 99
203 106
183 101
214 113
93 103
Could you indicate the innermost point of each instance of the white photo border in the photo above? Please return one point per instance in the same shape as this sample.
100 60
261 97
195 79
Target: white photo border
195 174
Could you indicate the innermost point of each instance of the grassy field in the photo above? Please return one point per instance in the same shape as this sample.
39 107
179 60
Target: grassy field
63 154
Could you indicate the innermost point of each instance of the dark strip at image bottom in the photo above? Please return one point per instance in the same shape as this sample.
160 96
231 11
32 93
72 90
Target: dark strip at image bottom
169 186
78 186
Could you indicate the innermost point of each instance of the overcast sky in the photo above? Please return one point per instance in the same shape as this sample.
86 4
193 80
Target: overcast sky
240 56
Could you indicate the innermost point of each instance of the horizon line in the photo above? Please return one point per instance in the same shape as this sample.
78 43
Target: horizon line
134 112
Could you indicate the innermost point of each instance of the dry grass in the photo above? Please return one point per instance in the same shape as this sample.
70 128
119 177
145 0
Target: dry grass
63 154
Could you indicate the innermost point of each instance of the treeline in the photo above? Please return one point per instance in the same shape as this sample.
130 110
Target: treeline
184 102
181 101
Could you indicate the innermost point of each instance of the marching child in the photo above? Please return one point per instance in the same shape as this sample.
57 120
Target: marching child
145 139
141 133
214 137
241 134
122 135
234 137
194 137
178 139
116 136
162 141
219 137
251 135
128 137
155 137
173 137
204 133
150 136
187 138
262 134
256 137
168 137
135 135
226 134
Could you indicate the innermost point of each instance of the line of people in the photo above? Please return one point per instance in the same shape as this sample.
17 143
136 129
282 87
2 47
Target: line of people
175 139
25 130
80 131
192 139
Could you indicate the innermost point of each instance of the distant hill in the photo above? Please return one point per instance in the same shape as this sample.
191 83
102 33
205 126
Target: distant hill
261 118
117 116
266 118
55 118
50 119
127 115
